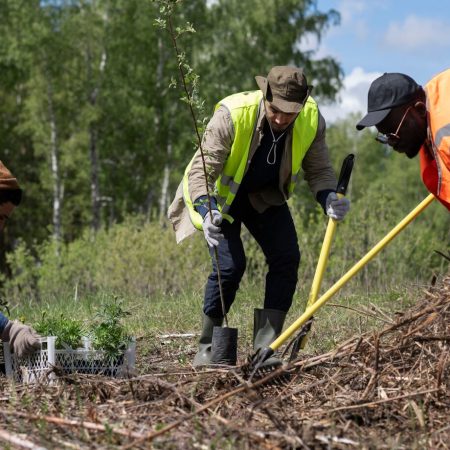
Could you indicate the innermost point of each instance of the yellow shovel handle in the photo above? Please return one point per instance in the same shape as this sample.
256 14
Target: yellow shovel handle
341 189
351 273
320 269
322 263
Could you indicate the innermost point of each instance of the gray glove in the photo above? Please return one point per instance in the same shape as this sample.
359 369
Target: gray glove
211 228
336 207
22 338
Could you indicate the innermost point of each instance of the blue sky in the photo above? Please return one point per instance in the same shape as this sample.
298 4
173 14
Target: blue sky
378 36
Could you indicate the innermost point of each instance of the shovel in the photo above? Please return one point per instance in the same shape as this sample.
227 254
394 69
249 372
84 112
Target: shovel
267 352
344 178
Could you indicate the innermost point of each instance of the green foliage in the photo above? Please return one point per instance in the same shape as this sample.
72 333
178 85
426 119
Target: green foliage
68 331
25 271
105 329
141 258
249 37
90 82
137 259
107 332
132 258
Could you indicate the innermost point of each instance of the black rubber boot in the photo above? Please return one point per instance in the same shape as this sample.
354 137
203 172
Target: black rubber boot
203 356
268 324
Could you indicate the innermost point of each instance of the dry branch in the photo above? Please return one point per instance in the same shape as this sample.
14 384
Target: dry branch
18 441
73 423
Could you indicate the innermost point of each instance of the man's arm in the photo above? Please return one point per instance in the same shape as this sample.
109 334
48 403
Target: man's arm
216 144
317 167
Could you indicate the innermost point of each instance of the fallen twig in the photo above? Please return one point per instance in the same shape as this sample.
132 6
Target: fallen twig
74 423
387 400
14 439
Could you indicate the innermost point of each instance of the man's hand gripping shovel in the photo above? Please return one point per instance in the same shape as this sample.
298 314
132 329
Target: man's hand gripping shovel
300 340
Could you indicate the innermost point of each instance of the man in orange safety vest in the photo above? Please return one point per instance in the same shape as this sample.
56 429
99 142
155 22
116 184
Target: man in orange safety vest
415 120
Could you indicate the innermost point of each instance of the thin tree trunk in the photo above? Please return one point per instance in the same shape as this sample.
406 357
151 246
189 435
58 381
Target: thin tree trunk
95 188
158 85
158 124
148 205
93 131
93 137
163 199
55 169
164 196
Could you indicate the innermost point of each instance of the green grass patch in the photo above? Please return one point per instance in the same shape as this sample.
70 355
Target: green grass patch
345 315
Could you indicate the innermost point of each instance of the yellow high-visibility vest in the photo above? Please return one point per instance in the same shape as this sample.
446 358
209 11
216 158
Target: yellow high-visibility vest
243 108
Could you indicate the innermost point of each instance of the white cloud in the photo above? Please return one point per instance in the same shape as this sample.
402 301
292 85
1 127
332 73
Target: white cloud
349 9
352 97
417 33
309 42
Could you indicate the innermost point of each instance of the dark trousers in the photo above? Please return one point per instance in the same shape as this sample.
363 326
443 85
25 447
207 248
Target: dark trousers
275 233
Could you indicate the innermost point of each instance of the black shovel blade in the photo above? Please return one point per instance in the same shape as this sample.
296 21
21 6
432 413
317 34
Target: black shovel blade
344 176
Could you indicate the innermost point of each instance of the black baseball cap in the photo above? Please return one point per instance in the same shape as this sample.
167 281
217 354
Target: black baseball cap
387 92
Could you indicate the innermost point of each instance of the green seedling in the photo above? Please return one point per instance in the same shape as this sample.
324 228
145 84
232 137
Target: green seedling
108 333
68 331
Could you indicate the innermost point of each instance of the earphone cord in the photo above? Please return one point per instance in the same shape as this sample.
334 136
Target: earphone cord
274 145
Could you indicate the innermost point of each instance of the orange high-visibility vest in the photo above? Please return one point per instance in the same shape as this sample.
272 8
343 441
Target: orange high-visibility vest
435 170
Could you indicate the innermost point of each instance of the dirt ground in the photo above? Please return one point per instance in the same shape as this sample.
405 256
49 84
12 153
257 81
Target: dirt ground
383 390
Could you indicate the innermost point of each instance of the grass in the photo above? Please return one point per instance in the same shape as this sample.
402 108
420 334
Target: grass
353 311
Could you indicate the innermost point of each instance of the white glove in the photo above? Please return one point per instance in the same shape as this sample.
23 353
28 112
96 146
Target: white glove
211 229
336 207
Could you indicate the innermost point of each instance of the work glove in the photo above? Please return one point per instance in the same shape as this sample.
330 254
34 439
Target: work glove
336 207
22 338
211 228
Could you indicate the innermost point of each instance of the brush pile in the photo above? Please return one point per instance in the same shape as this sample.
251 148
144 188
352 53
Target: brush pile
385 389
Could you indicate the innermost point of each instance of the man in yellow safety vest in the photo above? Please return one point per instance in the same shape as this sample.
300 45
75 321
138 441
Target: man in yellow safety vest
255 145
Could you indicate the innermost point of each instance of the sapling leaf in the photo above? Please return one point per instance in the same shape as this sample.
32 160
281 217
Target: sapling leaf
108 333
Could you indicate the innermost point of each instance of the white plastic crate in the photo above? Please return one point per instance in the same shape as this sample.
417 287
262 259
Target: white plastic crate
35 367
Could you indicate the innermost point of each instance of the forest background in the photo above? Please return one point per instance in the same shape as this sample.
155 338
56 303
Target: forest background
92 126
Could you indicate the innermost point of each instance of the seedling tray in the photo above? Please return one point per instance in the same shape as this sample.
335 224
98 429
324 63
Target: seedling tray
37 367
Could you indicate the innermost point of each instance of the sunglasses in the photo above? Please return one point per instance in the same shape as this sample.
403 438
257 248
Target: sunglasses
392 139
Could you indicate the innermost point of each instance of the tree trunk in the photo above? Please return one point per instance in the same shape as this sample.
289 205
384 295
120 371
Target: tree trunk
158 122
55 169
93 92
148 205
95 188
164 197
93 150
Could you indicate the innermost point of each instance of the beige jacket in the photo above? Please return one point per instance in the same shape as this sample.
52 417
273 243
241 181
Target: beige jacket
216 144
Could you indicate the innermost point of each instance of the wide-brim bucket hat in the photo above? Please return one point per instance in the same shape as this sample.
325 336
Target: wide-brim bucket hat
285 87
